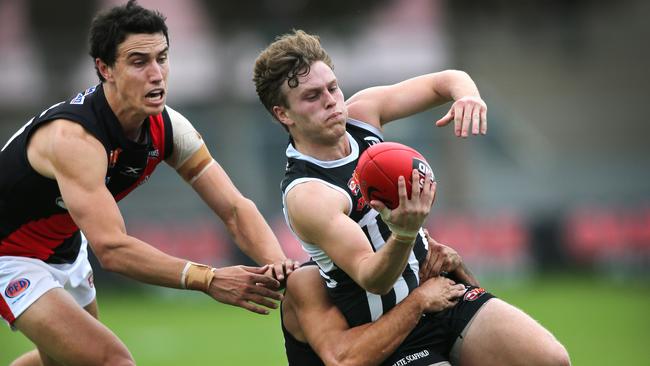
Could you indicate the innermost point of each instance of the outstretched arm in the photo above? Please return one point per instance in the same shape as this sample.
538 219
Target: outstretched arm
64 151
311 317
382 104
193 162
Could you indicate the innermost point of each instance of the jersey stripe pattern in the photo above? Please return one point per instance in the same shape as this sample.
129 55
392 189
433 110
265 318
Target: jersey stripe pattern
358 305
34 221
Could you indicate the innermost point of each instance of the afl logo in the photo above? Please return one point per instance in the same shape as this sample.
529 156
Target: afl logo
16 287
473 294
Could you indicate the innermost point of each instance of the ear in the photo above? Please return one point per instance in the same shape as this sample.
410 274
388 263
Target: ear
282 115
105 70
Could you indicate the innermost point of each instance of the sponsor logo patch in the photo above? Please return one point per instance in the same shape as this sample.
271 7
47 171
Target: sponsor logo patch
474 294
16 287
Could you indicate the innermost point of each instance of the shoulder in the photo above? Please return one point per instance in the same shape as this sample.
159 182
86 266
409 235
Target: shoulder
315 195
176 117
365 105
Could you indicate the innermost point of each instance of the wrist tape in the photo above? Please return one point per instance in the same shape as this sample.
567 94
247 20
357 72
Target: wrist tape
405 238
197 276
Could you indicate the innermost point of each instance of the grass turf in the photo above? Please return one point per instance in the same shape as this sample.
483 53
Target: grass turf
600 322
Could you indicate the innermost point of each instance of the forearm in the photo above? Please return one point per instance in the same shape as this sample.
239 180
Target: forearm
371 344
378 272
252 233
136 259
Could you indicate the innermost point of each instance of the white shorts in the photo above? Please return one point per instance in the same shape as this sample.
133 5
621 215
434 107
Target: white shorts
24 280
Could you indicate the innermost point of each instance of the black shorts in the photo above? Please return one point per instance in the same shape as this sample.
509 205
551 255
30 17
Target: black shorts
434 336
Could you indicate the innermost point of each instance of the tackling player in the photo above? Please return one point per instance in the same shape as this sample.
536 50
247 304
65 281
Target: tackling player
64 171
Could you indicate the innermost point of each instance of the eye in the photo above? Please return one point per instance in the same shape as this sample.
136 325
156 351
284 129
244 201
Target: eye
162 59
138 63
333 88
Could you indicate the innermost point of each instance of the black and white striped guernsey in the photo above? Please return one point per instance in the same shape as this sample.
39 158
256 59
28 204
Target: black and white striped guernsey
358 305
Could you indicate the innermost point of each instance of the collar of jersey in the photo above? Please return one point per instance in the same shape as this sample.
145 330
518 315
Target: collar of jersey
354 154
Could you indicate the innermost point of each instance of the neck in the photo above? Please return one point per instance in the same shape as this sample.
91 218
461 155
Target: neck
324 151
130 119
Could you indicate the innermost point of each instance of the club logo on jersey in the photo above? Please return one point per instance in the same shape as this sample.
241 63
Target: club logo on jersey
355 190
59 202
16 287
473 294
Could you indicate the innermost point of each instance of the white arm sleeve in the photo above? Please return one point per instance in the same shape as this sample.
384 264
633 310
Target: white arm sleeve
187 140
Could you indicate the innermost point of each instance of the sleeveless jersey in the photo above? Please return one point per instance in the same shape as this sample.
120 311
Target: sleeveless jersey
358 305
34 221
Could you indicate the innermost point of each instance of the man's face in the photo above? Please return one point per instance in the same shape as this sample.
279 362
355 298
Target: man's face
140 73
317 110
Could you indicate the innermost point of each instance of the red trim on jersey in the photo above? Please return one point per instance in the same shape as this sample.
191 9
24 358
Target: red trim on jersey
5 311
157 132
38 239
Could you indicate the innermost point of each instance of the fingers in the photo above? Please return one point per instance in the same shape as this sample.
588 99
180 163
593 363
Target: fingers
446 119
467 120
279 271
401 190
380 207
476 120
415 184
253 308
458 118
469 114
265 281
457 290
484 120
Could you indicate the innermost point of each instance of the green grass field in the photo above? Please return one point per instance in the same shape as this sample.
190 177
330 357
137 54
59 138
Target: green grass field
600 322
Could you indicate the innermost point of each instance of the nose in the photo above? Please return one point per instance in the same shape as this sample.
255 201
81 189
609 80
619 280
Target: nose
155 72
330 101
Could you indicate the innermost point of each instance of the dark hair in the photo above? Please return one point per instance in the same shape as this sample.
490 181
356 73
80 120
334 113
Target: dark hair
111 27
288 58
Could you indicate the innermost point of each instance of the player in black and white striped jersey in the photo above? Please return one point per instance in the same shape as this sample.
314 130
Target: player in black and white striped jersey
369 257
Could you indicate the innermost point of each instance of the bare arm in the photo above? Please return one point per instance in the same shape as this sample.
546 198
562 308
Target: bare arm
78 163
382 104
240 215
64 151
310 316
318 214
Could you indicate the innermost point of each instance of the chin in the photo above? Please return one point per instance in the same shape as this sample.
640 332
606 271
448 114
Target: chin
152 111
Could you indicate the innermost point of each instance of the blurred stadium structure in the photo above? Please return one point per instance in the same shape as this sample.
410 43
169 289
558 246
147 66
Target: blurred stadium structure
562 180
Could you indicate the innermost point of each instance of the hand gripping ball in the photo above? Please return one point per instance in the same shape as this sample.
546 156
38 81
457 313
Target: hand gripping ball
380 166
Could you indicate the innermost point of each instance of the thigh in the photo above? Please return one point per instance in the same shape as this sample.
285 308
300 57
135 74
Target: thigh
501 334
61 329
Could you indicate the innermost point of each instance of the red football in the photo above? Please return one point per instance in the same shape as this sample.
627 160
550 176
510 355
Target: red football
380 166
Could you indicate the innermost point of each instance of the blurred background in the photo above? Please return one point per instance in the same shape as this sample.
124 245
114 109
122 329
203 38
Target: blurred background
552 207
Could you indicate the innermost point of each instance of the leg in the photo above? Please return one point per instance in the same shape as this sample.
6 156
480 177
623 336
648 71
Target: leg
501 334
33 357
64 337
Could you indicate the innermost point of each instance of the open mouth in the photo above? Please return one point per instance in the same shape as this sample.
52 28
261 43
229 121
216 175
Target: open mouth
156 95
